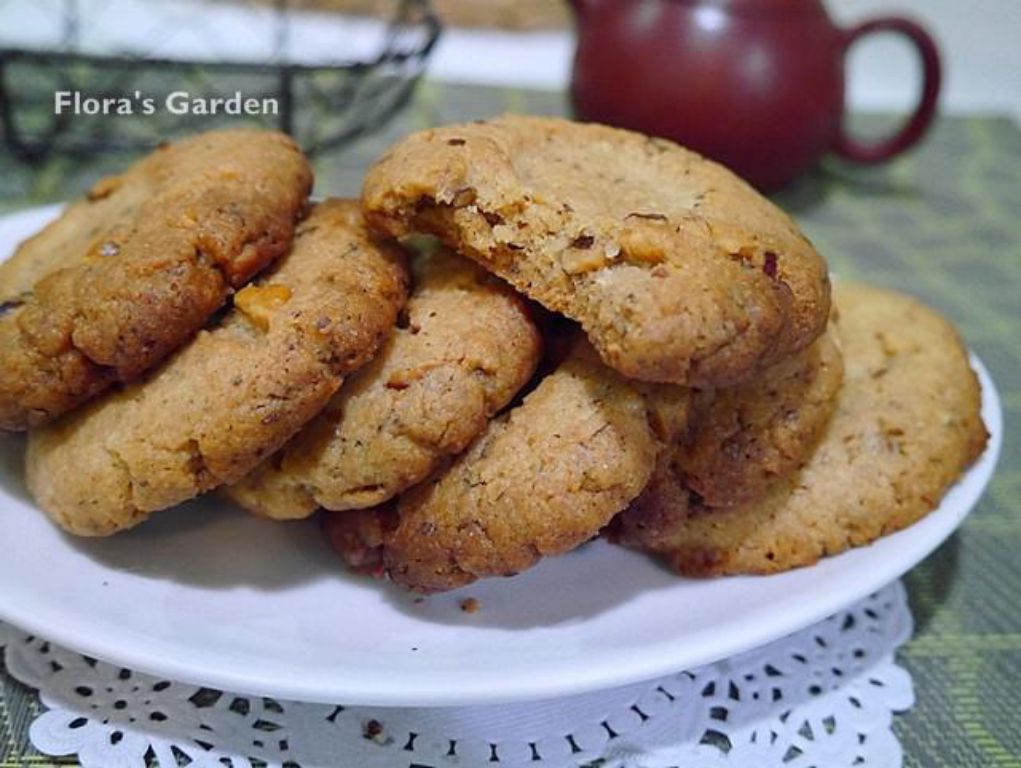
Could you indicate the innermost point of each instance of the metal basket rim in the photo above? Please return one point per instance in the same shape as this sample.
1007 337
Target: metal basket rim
415 14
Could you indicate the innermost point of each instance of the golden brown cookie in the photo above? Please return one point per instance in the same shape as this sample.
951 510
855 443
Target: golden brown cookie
233 395
743 438
677 270
541 480
907 424
463 349
740 441
127 275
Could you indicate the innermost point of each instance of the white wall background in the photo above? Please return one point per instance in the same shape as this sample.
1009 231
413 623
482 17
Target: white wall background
980 42
981 45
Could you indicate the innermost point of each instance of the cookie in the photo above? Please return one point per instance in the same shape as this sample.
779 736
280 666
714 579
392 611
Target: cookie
677 270
234 394
541 480
133 271
744 438
907 424
464 347
359 536
740 441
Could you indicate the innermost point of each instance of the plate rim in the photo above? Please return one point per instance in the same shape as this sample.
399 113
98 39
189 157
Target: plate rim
615 667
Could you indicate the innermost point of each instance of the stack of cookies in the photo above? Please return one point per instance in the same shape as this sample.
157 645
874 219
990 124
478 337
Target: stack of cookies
527 333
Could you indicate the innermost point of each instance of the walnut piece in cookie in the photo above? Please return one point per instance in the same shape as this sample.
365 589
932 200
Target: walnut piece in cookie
235 393
463 348
130 273
677 270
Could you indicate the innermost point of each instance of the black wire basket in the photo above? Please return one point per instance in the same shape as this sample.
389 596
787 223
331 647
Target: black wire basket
85 95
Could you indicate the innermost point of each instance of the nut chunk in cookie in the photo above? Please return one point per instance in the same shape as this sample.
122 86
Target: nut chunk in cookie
541 480
677 270
907 424
134 270
235 393
464 347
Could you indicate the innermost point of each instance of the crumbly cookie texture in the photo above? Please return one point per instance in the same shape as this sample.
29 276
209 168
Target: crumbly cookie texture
464 347
233 395
134 270
541 480
907 424
677 270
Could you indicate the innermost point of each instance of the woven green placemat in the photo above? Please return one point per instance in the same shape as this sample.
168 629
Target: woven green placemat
943 223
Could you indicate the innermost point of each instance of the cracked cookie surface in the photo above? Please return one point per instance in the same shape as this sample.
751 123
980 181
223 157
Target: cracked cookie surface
541 480
907 424
464 347
134 270
236 393
676 269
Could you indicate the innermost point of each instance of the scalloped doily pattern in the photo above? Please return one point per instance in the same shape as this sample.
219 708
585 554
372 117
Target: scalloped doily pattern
824 696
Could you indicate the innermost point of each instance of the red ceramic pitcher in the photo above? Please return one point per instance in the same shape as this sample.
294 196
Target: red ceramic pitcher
755 84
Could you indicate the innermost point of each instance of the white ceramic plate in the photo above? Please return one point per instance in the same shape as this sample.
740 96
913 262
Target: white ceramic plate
208 595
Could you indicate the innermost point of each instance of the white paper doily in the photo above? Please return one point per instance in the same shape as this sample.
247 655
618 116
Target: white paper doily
821 697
